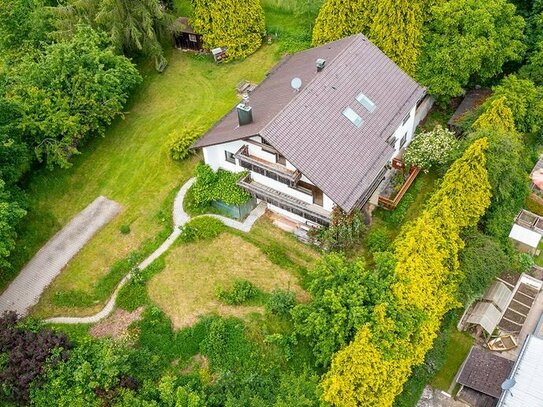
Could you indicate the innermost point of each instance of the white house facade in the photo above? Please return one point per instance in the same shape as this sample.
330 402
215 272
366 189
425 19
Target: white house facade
326 143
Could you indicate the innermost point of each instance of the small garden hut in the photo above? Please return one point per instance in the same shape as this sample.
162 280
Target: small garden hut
524 239
185 37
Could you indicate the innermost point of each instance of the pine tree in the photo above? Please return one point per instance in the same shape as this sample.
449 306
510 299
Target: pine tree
236 25
498 116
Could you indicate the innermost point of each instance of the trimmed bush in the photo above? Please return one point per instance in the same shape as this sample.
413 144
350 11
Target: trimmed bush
242 292
281 302
181 141
201 228
124 229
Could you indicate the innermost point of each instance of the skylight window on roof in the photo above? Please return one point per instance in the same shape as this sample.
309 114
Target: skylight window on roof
353 117
366 102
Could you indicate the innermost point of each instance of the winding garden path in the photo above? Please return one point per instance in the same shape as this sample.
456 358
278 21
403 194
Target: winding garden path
180 217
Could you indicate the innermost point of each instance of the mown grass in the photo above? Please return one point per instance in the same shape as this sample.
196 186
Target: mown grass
457 350
187 288
130 165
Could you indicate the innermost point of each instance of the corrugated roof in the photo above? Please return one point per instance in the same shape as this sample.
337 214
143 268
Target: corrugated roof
485 372
499 295
486 315
528 376
525 236
308 127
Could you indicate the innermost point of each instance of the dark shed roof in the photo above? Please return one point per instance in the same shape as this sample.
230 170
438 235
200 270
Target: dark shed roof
185 25
485 372
308 127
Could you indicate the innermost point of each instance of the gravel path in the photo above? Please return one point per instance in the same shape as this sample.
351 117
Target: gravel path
26 289
180 217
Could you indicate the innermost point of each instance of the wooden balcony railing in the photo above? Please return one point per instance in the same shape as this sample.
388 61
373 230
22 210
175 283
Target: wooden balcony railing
391 204
311 212
271 170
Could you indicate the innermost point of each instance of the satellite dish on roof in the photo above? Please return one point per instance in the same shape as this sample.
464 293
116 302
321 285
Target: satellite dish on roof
508 384
296 84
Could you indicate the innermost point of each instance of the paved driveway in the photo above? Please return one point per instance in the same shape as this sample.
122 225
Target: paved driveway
25 290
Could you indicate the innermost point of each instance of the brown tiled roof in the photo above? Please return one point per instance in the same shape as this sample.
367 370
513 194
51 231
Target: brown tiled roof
485 372
185 25
308 127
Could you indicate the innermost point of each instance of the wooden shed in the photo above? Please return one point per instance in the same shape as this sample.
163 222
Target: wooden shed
185 37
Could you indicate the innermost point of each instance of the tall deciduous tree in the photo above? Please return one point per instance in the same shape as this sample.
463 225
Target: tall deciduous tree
11 213
468 40
344 293
236 25
525 101
23 24
395 27
71 91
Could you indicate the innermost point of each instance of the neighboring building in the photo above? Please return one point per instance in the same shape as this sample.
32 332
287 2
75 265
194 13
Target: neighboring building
320 130
185 37
524 388
481 378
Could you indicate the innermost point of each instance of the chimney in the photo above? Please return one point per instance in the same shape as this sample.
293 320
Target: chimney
245 114
321 63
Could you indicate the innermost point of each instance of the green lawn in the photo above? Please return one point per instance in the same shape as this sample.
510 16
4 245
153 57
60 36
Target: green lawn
457 350
130 165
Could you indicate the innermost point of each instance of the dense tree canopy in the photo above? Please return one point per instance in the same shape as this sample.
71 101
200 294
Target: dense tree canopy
343 294
11 212
132 26
372 369
70 91
468 40
395 27
236 25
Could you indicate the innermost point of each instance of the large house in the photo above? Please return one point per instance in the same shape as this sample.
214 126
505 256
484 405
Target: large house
320 130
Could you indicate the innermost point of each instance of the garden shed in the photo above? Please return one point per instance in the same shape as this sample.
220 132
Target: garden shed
185 37
499 295
486 315
481 377
524 239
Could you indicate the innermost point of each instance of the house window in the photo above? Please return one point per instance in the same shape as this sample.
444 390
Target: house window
406 118
403 140
228 156
192 38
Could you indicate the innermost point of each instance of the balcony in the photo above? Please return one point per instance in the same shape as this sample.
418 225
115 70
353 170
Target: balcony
274 171
311 212
392 193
